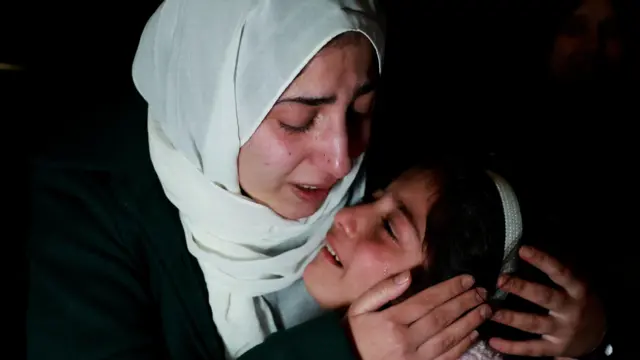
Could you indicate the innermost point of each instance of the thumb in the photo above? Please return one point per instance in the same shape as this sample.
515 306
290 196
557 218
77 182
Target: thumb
380 294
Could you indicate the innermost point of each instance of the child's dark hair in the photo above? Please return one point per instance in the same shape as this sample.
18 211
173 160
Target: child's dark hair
465 234
465 231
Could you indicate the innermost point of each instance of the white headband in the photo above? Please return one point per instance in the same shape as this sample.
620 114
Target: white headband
512 226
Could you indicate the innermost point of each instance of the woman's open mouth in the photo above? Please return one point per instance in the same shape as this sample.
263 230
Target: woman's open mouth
311 193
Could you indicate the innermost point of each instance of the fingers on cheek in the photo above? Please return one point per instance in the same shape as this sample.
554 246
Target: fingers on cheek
511 284
548 298
579 291
537 324
542 295
484 313
532 348
505 346
459 349
399 336
538 258
535 256
475 318
503 317
561 271
499 344
440 344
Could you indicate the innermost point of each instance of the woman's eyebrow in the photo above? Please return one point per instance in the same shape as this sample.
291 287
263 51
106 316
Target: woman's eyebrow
309 100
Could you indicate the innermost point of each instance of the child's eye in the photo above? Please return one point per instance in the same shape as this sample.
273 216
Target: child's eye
387 227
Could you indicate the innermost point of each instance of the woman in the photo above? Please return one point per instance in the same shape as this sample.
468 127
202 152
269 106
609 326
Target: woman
180 226
442 222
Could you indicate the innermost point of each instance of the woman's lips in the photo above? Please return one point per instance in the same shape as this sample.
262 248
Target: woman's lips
310 193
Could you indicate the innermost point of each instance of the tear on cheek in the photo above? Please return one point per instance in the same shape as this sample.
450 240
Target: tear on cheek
376 268
386 269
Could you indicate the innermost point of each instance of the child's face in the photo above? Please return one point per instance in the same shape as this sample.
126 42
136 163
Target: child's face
373 241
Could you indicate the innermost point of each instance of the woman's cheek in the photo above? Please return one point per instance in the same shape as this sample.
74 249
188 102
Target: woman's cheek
275 151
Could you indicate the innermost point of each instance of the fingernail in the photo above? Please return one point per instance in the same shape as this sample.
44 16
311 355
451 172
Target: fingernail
474 335
401 278
481 293
468 281
497 316
485 312
526 251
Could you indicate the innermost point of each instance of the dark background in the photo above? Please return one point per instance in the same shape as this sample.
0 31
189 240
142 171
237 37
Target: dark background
461 76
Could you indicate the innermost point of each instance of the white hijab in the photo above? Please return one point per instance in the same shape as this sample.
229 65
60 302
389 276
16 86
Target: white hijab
210 71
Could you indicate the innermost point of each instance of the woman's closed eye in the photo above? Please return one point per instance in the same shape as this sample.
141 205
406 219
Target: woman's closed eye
298 129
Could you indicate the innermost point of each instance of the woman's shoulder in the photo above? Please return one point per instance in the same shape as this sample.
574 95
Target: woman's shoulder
91 169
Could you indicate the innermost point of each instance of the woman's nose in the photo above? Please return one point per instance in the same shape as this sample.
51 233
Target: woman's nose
335 158
333 154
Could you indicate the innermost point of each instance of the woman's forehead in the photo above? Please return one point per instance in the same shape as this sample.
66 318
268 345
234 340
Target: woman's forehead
323 73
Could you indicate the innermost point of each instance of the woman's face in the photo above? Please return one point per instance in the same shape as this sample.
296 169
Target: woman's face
314 132
373 241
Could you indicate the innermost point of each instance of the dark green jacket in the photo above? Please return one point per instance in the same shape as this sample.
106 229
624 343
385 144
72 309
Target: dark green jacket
110 276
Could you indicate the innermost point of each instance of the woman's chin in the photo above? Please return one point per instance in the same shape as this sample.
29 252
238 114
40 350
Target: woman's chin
295 211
